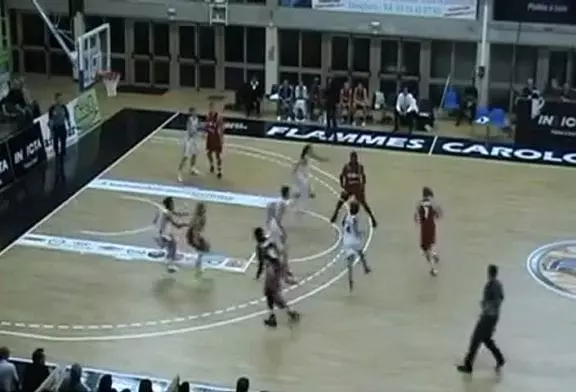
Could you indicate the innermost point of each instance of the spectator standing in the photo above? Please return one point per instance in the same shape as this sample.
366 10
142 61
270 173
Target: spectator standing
529 91
492 299
331 97
242 384
59 123
254 95
315 98
553 91
8 376
184 387
301 101
36 372
73 380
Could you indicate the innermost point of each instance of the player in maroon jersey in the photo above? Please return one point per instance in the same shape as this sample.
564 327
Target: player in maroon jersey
426 215
353 183
269 256
214 129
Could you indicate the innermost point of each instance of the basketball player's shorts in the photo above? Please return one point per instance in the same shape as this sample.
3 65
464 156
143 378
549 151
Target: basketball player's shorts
351 247
190 147
163 240
276 236
302 186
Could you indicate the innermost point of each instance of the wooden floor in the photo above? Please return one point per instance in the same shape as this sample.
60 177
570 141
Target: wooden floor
401 330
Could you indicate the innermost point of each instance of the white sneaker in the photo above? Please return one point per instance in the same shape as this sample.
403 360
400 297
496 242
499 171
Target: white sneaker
172 268
180 179
194 171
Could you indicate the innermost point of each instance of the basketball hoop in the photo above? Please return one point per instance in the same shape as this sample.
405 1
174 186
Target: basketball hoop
111 80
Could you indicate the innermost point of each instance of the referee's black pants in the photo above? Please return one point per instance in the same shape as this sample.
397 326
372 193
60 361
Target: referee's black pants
330 120
59 134
482 334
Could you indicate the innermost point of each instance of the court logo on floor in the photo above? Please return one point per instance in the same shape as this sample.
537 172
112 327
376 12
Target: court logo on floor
554 266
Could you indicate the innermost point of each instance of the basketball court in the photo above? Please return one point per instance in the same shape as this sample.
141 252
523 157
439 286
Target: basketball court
88 284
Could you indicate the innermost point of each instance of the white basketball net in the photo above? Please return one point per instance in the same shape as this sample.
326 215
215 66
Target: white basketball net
111 80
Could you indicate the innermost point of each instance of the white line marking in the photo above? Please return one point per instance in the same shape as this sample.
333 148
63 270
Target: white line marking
193 317
82 189
431 151
118 233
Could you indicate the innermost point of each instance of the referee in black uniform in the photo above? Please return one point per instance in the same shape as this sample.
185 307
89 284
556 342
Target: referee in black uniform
59 123
491 302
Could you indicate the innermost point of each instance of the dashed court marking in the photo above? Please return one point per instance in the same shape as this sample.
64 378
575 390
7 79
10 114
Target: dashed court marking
181 319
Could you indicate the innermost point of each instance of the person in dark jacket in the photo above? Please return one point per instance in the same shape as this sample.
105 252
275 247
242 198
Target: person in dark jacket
36 372
492 298
59 123
331 97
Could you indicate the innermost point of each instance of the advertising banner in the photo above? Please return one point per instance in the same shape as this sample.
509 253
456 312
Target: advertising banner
452 9
6 171
26 150
84 116
545 123
536 11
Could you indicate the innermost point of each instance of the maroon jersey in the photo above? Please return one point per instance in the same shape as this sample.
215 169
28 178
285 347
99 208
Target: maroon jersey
269 258
427 212
352 179
213 128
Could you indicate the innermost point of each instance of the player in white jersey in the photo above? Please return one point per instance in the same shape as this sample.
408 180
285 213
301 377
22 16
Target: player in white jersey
352 242
167 225
276 233
190 144
301 171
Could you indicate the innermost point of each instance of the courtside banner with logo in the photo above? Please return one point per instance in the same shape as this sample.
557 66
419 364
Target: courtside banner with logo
26 150
84 116
536 11
6 171
452 9
423 144
544 123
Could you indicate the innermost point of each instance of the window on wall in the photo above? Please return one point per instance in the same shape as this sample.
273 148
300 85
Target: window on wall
388 56
361 54
234 44
161 39
207 46
499 97
558 65
141 38
118 64
61 22
35 61
500 60
291 77
233 78
60 64
207 76
526 63
339 54
161 72
411 58
142 71
256 39
14 38
258 73
289 48
435 94
33 30
441 59
187 75
117 37
465 60
187 42
311 49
